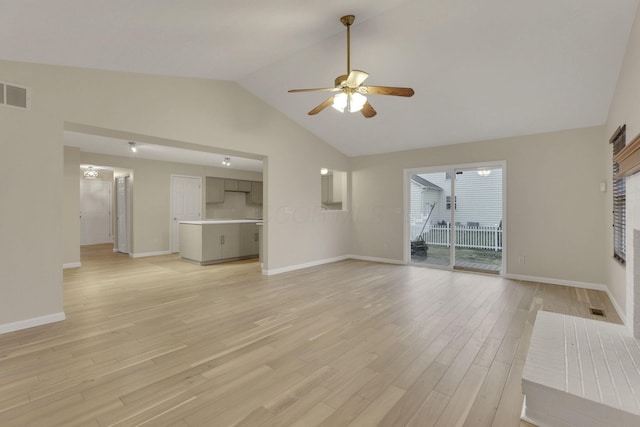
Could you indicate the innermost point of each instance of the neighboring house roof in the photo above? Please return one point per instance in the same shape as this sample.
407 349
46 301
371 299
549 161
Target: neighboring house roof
425 183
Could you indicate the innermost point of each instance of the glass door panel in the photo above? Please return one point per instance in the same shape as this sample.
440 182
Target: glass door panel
430 218
477 220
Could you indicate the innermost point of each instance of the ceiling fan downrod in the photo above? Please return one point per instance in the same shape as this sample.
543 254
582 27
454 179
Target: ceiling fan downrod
347 20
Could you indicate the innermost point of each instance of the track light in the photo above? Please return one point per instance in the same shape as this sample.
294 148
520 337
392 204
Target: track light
132 147
227 161
324 171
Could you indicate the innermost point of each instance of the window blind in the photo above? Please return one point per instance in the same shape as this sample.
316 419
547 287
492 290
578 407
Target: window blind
619 200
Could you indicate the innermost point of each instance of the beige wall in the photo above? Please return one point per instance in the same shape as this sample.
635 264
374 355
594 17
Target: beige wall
625 109
554 215
193 112
71 206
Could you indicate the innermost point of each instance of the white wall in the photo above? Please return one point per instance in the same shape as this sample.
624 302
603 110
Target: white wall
554 216
193 112
625 109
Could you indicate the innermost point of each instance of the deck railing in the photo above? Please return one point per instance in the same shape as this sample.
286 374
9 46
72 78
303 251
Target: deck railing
475 237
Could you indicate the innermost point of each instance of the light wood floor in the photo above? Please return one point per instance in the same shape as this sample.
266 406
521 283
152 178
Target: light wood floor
160 342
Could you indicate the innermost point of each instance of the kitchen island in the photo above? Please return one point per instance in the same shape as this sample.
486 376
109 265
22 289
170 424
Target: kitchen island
219 240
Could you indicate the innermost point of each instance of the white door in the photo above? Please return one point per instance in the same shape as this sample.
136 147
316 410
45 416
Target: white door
122 212
95 212
186 204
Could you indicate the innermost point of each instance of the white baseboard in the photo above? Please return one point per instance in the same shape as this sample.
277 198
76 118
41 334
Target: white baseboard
375 259
301 266
148 254
617 307
30 323
71 265
573 284
327 261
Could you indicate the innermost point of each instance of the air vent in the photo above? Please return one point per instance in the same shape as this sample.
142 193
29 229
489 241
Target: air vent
597 311
15 96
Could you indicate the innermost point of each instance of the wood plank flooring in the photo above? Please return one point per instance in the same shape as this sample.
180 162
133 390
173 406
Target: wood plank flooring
160 342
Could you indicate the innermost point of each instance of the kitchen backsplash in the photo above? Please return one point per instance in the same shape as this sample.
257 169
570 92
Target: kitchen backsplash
235 207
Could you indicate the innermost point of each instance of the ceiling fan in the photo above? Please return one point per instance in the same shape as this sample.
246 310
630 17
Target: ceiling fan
351 94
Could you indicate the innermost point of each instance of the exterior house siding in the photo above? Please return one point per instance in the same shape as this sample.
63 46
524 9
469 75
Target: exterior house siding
478 198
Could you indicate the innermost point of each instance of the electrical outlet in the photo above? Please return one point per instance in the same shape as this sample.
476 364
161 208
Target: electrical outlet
521 259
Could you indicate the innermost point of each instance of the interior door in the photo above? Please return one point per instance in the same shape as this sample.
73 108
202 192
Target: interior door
122 208
186 204
95 212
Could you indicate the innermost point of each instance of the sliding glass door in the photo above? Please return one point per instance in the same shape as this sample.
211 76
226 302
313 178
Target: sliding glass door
456 218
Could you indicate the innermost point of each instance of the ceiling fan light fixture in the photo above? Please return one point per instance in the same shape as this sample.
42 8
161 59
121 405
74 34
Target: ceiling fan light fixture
340 102
352 102
356 102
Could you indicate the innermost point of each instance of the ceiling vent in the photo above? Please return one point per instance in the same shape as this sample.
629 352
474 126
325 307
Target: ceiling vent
15 96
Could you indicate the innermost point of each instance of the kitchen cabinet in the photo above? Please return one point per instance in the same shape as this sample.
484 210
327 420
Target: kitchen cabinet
331 189
220 241
210 241
214 190
230 185
248 240
237 185
255 196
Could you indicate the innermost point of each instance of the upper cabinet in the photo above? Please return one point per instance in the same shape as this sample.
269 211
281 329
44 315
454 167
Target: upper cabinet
237 185
215 190
244 186
255 196
230 185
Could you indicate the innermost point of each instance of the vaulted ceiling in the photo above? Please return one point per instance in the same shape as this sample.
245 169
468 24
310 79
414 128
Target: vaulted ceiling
481 69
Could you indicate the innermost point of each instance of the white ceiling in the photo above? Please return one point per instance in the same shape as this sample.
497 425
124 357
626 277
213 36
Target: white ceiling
119 147
481 69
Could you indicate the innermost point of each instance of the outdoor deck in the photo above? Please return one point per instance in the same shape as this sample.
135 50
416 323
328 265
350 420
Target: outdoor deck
472 259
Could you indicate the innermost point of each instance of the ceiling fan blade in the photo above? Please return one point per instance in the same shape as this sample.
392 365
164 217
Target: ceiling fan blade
387 90
356 78
322 106
368 111
322 89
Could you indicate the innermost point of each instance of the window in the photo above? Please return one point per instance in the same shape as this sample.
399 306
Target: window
449 203
619 200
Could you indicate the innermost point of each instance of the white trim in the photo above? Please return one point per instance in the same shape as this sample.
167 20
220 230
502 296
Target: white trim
375 259
616 306
71 265
573 284
330 260
305 265
30 323
147 254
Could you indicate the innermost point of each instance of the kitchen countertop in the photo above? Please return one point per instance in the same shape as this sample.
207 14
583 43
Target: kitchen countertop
222 221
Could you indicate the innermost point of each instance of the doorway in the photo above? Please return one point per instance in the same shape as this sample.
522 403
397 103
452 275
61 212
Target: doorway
456 217
95 210
186 204
123 190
